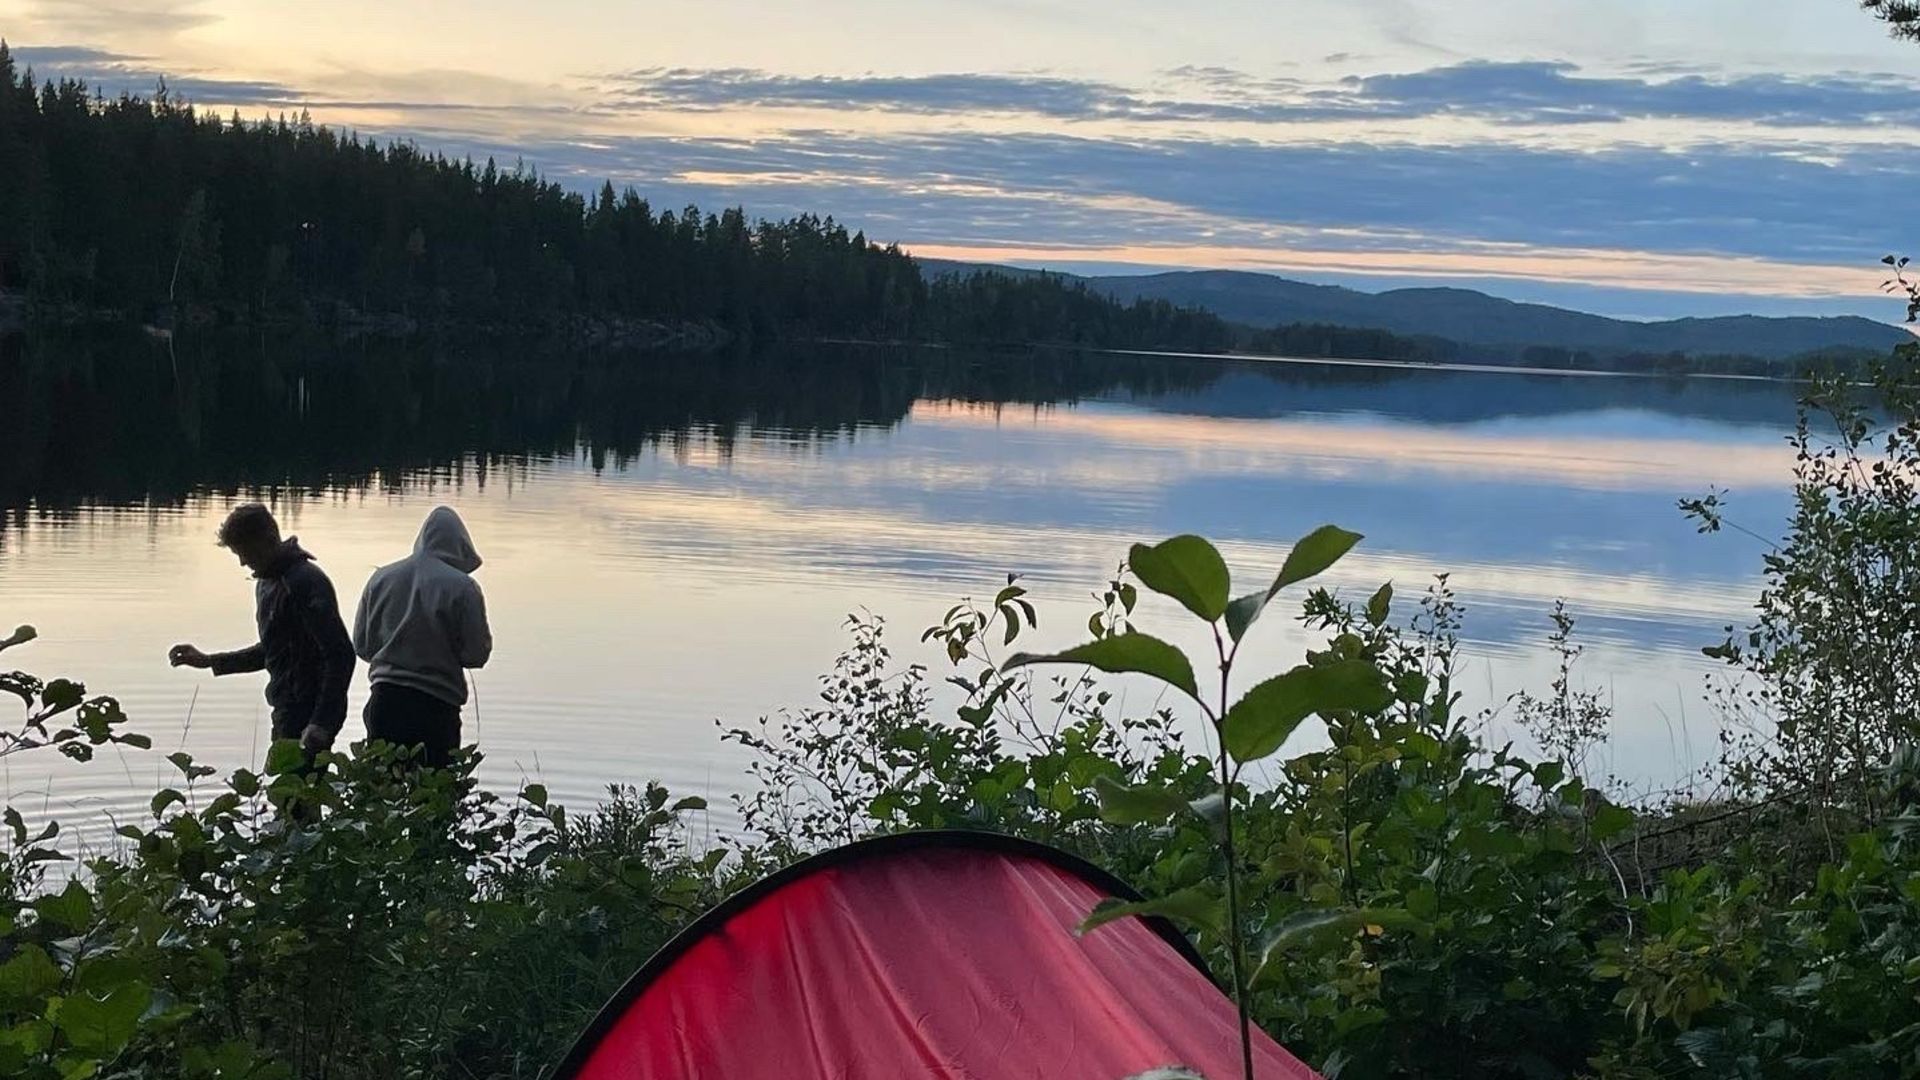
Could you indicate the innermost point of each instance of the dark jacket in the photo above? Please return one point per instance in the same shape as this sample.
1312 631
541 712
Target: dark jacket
303 645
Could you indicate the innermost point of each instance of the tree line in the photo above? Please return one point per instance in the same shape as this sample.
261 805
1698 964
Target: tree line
1351 342
150 210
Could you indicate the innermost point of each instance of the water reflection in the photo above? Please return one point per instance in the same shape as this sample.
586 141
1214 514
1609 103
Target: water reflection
116 420
674 538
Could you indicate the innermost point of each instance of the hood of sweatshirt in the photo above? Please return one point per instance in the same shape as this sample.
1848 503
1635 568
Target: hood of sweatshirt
444 536
285 558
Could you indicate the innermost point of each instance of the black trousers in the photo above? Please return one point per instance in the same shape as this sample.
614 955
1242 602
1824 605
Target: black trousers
290 722
404 716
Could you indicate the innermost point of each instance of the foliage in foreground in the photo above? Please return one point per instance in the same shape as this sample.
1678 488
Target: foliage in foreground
421 928
1395 897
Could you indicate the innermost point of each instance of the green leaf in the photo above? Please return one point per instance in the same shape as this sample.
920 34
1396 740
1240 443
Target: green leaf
1610 821
1315 552
1380 605
1212 809
20 685
30 975
102 1026
184 762
20 636
62 694
284 757
535 794
1548 774
18 825
1195 905
1261 721
1186 568
690 802
1351 686
1303 928
165 798
1242 612
1410 686
1146 804
1132 652
70 909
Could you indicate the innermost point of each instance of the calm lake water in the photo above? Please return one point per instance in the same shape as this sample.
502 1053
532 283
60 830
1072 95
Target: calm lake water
676 540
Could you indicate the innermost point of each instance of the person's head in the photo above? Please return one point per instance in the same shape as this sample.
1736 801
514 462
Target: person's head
251 534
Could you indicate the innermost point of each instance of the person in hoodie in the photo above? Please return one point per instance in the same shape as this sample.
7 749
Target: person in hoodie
303 645
422 623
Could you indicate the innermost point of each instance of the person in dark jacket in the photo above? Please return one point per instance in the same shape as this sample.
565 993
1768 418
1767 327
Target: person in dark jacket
303 645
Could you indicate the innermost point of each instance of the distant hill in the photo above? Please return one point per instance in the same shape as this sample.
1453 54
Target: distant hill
1473 318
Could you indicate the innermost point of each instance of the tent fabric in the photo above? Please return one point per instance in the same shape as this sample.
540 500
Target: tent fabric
947 955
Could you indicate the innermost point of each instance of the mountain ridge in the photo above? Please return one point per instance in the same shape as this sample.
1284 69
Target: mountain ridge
1469 316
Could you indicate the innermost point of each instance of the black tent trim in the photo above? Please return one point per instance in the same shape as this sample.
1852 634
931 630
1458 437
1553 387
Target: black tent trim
874 847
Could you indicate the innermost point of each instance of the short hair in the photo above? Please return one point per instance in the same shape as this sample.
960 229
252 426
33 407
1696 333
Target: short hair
249 522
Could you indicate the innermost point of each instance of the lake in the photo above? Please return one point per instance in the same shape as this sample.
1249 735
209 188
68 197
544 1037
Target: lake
676 540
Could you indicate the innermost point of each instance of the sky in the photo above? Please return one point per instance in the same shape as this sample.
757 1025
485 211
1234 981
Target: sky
1638 158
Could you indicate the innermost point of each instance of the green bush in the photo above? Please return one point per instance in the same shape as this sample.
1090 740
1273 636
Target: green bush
416 926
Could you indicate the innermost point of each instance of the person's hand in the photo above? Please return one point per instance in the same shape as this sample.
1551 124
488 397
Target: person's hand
314 738
188 656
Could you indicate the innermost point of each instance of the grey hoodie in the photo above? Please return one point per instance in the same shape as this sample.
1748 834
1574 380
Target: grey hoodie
422 620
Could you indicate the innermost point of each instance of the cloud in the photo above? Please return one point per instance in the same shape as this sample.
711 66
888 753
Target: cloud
96 19
1046 96
1728 200
417 93
1513 92
114 73
1555 92
65 57
726 88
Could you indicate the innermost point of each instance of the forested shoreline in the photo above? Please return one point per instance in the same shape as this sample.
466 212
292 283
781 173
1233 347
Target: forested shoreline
147 210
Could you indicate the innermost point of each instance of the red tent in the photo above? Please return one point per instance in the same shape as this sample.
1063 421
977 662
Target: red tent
943 954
